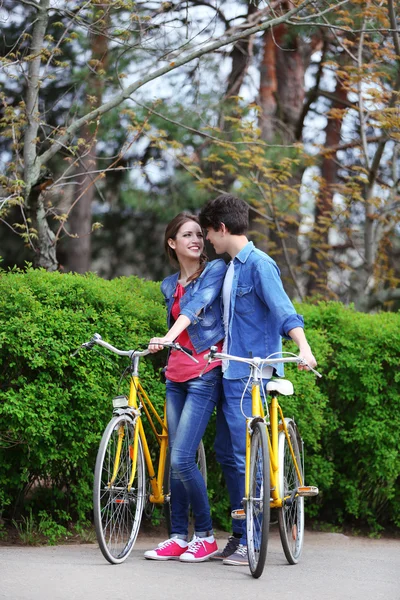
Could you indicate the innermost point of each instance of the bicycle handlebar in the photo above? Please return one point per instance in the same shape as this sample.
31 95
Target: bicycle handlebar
97 339
256 361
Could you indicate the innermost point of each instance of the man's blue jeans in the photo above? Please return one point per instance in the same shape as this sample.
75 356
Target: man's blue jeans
189 408
230 443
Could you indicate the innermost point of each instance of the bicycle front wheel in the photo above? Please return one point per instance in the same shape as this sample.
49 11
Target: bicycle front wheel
258 503
117 510
291 514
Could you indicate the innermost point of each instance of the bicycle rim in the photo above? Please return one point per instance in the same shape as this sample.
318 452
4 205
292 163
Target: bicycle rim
258 503
290 516
117 511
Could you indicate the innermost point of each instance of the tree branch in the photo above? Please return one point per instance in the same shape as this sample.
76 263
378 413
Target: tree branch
119 98
31 3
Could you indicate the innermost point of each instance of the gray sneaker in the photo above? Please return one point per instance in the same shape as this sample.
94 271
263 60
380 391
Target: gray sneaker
230 548
238 558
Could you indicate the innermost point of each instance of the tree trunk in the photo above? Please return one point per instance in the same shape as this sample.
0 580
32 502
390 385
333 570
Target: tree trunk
281 101
319 261
45 251
78 248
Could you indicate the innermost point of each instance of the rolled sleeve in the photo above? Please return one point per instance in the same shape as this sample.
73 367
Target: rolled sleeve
290 323
271 291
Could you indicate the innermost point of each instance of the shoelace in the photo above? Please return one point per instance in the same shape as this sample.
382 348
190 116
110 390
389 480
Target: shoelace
242 550
195 544
166 543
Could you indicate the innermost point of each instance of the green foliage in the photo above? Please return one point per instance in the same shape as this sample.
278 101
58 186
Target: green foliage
32 531
27 530
359 439
52 530
54 407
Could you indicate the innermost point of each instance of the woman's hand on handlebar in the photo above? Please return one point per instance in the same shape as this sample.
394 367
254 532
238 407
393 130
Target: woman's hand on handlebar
157 343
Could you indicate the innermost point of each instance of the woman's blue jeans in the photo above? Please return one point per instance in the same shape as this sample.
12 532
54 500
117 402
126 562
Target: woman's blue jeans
189 407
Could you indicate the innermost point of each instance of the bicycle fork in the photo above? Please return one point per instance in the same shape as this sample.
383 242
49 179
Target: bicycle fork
257 409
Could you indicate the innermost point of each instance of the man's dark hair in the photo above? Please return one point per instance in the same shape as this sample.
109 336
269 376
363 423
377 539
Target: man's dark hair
227 209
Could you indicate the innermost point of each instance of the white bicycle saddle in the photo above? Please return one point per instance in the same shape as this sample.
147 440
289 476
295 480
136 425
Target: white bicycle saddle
282 386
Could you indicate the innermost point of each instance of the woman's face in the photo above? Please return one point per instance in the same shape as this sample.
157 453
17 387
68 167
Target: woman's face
189 241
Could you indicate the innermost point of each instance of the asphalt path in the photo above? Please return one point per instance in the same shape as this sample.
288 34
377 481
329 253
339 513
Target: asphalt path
332 567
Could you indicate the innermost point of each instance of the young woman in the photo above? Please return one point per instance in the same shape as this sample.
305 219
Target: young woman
194 317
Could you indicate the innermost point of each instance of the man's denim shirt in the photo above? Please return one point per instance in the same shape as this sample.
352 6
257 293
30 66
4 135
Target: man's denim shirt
260 311
201 303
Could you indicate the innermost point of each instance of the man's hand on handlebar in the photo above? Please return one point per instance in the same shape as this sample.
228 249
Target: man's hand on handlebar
308 358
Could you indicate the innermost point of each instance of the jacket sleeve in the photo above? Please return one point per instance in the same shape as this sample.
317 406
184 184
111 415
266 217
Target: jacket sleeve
209 288
270 290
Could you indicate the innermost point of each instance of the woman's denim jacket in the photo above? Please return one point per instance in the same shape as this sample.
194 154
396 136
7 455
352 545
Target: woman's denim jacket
201 303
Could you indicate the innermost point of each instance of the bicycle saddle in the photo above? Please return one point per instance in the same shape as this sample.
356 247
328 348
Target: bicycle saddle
282 386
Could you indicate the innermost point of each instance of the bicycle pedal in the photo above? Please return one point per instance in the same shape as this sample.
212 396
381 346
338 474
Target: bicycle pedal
307 490
239 514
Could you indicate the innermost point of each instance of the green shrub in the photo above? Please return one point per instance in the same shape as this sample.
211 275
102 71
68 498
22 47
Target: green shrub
360 440
54 407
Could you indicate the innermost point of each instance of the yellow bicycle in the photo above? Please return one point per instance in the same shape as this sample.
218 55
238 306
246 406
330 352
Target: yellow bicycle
119 492
274 475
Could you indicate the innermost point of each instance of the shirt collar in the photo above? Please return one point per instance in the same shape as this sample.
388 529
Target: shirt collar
243 255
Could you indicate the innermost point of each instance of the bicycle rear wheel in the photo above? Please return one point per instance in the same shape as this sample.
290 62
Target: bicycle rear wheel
291 514
257 507
117 511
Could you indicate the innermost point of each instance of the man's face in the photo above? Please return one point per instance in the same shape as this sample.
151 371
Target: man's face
217 239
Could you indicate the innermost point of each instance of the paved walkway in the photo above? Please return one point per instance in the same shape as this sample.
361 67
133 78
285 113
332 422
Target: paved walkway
333 567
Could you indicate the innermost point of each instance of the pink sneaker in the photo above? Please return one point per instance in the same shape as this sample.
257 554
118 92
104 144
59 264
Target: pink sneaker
200 549
171 549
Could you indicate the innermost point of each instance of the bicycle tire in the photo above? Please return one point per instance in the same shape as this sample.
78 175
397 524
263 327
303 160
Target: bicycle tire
202 461
290 517
202 466
167 493
258 503
117 512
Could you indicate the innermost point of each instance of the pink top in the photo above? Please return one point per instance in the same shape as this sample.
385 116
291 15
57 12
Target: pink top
180 367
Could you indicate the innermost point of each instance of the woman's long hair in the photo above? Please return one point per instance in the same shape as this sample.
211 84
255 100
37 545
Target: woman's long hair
170 233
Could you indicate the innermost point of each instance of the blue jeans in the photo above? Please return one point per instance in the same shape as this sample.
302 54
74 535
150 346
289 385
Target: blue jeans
189 407
230 444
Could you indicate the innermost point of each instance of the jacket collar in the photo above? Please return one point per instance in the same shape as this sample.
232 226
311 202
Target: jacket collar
243 255
174 278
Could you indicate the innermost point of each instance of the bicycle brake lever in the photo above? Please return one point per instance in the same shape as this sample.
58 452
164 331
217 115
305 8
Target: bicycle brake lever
190 356
186 351
303 362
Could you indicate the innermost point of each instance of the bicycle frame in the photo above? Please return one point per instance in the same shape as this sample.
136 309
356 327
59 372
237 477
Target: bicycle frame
273 430
138 400
156 480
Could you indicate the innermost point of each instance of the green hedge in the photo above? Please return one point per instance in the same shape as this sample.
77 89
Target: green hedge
359 356
53 407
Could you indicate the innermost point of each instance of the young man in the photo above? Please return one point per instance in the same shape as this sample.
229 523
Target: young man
257 314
